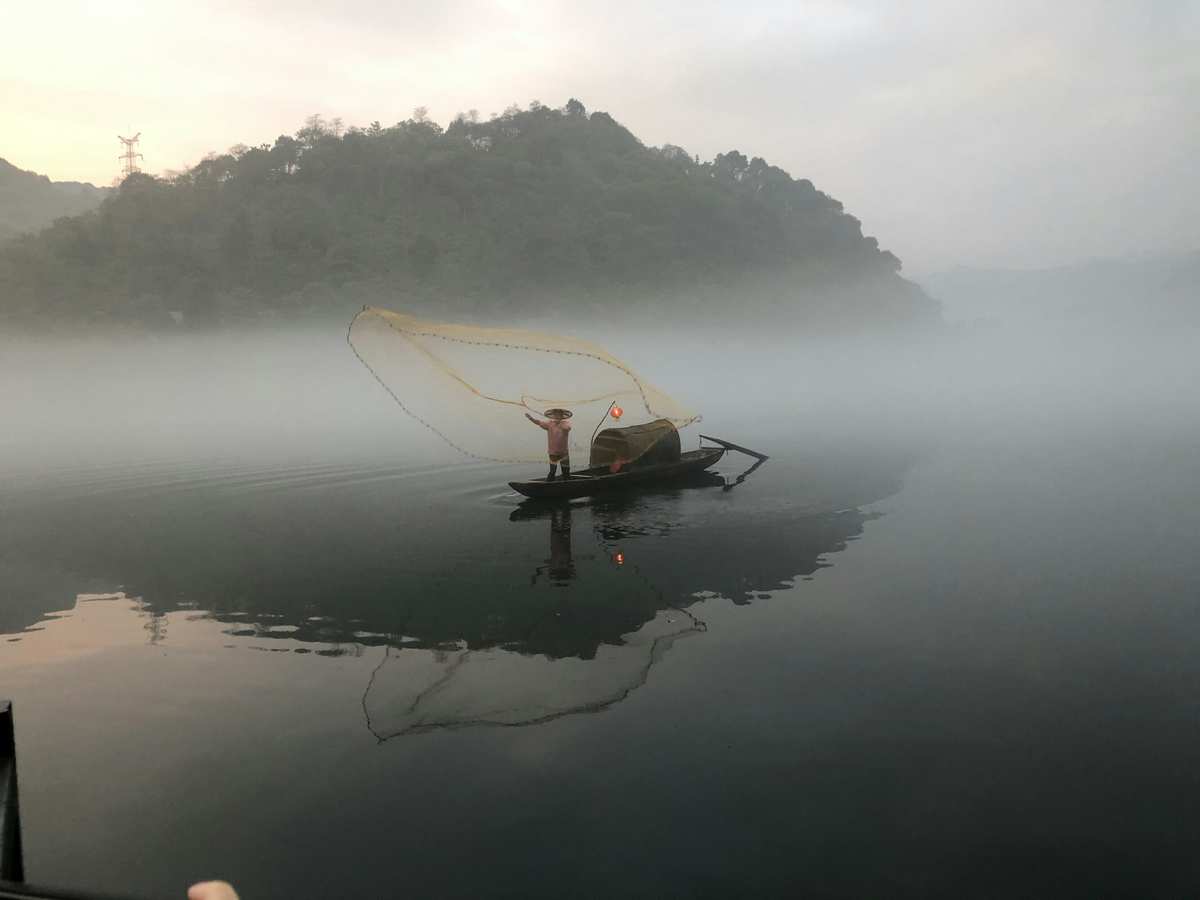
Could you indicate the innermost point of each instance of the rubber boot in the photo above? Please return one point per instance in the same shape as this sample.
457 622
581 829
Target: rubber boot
550 477
566 470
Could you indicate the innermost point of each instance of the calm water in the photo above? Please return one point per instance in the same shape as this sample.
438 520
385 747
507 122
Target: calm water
942 645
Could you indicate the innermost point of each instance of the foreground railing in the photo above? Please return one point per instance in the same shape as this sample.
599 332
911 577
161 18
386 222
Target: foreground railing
12 865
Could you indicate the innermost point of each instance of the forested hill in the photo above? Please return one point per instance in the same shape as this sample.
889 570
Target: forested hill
531 211
29 202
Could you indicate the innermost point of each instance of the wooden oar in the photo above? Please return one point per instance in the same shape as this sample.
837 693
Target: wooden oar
731 446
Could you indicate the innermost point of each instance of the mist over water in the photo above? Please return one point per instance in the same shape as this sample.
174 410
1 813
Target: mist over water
302 389
944 631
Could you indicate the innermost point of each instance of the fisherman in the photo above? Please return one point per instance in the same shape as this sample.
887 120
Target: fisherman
557 428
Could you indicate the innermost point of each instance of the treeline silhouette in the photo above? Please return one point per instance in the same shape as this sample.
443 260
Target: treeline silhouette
532 210
30 202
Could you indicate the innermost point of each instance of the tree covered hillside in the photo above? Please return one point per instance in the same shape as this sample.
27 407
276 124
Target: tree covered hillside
532 209
29 201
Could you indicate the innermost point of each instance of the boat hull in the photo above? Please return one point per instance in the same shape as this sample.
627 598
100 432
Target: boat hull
600 479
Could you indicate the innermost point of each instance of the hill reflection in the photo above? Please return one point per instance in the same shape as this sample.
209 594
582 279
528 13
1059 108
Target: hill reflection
421 562
562 581
465 607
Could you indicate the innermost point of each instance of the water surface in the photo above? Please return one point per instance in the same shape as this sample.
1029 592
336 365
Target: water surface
930 645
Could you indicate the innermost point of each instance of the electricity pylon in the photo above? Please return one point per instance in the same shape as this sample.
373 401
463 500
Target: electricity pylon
130 156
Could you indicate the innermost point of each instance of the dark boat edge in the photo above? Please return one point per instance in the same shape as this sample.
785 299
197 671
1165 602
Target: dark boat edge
597 480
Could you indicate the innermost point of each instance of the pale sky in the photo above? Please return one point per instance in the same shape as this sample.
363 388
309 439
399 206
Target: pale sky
992 132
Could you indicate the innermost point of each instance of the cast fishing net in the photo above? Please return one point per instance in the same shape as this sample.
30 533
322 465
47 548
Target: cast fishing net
471 386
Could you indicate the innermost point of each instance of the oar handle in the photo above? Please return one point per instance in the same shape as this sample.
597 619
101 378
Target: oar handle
731 446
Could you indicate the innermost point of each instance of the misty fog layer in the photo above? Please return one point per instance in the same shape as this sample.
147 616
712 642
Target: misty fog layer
302 395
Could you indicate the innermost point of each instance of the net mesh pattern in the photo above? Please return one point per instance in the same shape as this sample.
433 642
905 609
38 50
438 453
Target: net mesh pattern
472 385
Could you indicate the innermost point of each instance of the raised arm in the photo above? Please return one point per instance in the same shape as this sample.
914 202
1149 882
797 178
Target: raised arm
540 424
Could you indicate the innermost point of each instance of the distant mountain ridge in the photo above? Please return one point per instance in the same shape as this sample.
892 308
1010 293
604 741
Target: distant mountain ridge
30 202
533 212
1156 290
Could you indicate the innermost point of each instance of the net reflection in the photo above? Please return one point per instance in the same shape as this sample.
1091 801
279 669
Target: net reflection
413 691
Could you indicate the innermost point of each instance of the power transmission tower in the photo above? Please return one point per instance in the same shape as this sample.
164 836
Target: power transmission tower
130 157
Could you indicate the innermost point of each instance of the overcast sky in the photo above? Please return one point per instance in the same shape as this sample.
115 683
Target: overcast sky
993 132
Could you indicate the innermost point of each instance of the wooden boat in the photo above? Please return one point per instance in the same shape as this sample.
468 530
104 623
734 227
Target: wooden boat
599 479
